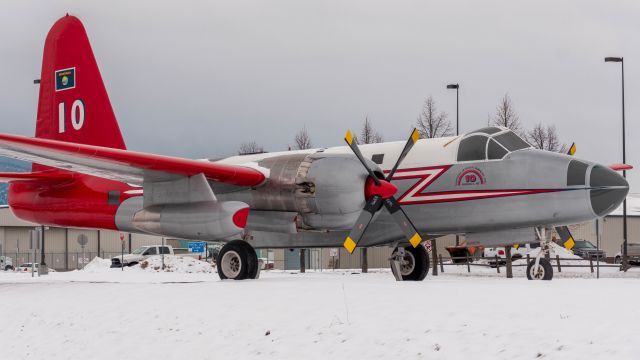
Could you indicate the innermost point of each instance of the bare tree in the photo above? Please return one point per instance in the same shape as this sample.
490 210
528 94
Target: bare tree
431 123
250 147
506 115
302 140
368 135
545 138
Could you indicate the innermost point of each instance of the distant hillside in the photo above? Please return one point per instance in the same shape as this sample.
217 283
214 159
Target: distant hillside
10 165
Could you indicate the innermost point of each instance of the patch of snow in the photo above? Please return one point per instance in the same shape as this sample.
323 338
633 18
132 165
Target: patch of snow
98 264
318 315
177 264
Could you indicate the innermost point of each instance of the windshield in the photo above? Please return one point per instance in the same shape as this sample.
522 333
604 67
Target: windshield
583 244
139 251
511 141
492 143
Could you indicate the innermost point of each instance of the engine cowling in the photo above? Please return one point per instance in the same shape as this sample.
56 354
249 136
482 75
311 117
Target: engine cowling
327 190
201 220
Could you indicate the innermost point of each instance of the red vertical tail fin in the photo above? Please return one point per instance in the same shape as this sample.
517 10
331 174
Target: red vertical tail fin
74 105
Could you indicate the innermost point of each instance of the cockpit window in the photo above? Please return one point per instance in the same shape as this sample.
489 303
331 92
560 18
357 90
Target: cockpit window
492 143
495 150
472 148
511 141
489 130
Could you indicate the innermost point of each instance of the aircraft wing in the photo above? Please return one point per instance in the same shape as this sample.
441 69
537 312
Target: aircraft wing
120 165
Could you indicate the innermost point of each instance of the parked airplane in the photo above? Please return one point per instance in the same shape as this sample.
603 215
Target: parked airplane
488 184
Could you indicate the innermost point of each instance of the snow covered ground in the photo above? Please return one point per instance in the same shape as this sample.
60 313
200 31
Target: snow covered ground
103 313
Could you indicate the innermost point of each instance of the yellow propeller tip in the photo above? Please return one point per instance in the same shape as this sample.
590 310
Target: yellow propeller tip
415 240
348 137
415 135
349 244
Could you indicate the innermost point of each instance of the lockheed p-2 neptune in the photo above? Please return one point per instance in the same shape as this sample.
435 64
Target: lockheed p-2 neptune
488 184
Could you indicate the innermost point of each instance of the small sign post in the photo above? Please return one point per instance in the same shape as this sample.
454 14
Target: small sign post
83 240
34 244
122 250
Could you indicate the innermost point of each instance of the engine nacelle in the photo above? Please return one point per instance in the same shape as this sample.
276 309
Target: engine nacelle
327 190
202 220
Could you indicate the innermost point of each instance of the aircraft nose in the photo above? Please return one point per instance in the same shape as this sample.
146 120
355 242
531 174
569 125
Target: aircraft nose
608 189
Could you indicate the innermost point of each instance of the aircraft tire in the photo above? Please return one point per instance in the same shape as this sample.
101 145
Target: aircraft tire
546 272
232 261
419 263
252 261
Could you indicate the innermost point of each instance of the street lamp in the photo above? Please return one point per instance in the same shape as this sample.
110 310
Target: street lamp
624 172
457 87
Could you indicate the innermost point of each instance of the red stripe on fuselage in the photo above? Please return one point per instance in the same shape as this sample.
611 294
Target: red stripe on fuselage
427 175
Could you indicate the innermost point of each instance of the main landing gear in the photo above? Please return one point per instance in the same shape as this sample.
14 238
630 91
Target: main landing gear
237 260
409 263
540 268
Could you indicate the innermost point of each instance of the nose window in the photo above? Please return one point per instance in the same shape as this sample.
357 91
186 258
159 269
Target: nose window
576 173
603 177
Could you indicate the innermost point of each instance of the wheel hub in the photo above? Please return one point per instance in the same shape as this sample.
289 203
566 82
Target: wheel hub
407 264
537 272
231 264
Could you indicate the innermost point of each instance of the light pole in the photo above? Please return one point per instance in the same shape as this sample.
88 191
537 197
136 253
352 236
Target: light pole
457 87
624 172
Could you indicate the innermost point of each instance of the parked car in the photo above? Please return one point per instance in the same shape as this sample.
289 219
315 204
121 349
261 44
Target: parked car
144 252
587 250
6 263
633 253
518 251
26 267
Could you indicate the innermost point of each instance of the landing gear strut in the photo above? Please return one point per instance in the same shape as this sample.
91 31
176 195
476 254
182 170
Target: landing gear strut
237 260
409 263
540 268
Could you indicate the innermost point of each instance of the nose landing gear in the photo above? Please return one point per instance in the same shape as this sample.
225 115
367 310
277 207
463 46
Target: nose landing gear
409 263
540 268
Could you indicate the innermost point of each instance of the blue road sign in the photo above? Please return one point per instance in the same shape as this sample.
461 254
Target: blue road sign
196 247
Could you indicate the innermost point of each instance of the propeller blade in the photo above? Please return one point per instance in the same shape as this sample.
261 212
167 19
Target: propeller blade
348 137
415 135
565 236
371 207
572 149
403 221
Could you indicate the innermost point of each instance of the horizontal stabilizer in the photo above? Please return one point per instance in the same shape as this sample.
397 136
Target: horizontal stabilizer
620 167
30 176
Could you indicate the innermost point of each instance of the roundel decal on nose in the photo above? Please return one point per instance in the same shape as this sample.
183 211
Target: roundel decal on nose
470 176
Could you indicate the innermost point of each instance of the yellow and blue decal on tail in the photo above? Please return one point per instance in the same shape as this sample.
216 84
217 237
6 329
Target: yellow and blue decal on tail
65 79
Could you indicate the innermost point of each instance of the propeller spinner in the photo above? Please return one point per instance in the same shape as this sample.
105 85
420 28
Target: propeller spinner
378 193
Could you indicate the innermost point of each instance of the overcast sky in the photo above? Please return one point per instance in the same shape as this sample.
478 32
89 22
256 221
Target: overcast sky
197 78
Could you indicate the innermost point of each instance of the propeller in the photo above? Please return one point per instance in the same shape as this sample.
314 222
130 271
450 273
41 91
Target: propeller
379 193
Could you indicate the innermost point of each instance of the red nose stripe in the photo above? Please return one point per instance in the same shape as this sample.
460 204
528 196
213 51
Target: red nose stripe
385 190
240 217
